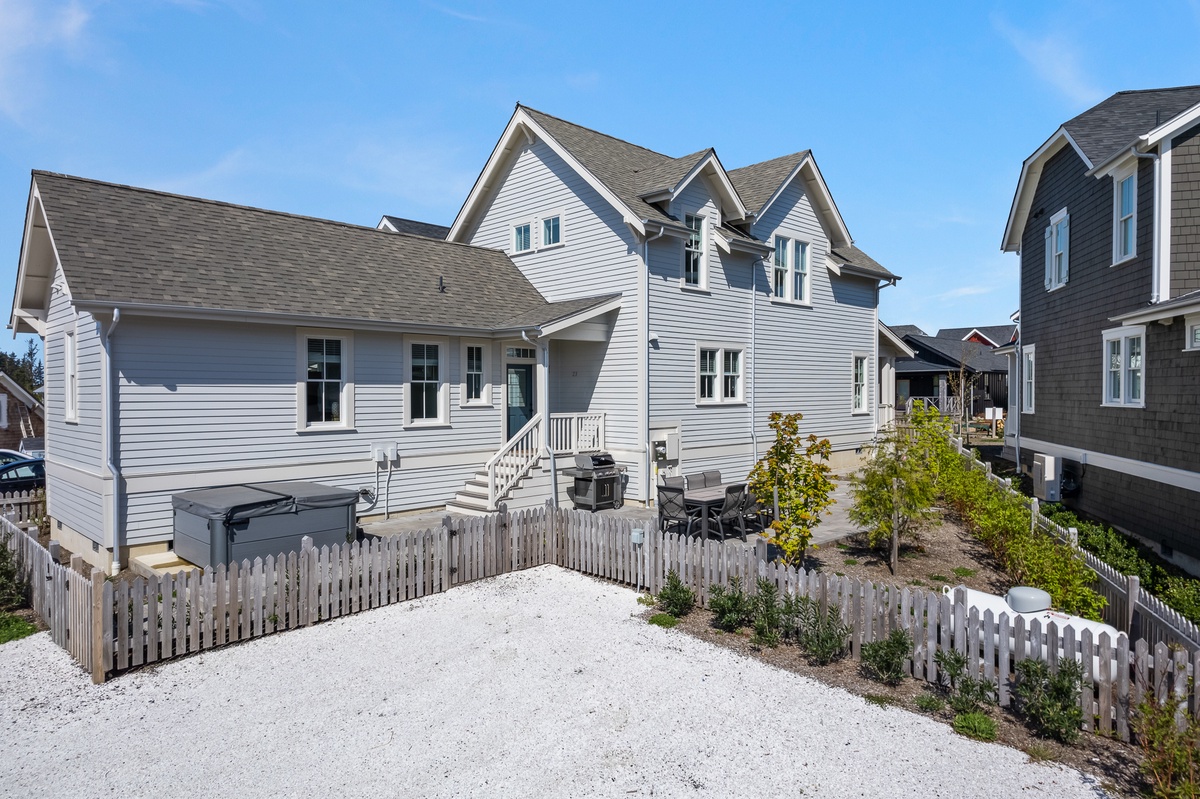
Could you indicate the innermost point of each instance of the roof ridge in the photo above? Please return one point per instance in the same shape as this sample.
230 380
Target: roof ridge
806 151
593 130
239 206
1165 89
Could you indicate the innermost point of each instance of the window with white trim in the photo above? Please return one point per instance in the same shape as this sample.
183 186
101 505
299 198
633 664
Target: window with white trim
780 283
476 389
800 271
1027 378
1058 250
522 238
551 231
790 270
71 377
325 390
1192 326
694 252
425 378
859 377
1125 214
719 374
1124 366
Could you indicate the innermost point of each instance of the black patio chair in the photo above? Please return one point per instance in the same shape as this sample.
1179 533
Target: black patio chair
712 478
697 480
732 511
673 482
756 513
673 510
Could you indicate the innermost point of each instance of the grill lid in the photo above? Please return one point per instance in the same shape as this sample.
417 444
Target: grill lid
595 460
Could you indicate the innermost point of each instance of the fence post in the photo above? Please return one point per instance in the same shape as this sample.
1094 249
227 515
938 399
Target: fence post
1074 536
305 569
97 626
1033 514
1131 600
55 550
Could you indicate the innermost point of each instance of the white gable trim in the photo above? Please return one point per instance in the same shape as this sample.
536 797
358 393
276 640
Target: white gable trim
580 316
26 317
20 394
1172 126
1031 172
710 166
818 191
886 334
384 224
980 333
522 130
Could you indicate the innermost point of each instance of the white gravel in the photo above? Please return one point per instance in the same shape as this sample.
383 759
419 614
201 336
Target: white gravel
533 684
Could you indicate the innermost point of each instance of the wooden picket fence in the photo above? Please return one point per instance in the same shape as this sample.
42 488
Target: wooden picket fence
110 627
23 506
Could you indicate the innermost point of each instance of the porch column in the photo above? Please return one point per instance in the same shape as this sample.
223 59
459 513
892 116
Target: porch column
543 392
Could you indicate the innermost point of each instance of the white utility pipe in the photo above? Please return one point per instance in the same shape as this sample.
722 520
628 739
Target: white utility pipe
109 446
647 453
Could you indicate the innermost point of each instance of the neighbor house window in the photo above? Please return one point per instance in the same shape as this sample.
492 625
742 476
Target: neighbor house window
693 252
859 400
1124 366
551 231
326 387
1027 377
475 389
790 281
71 373
719 374
1058 250
1125 214
522 240
1192 326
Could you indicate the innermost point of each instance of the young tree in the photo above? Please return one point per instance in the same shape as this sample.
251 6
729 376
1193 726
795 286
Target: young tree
798 469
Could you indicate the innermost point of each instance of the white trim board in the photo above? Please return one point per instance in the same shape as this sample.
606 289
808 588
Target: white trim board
1168 475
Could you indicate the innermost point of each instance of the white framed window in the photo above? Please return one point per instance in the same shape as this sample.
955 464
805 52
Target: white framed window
719 374
476 386
790 271
1192 331
858 401
522 237
426 396
325 379
551 231
1125 214
4 400
71 377
695 252
1058 250
1124 366
1027 378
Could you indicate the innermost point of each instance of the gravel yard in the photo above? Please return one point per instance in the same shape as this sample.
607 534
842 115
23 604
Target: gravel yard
539 683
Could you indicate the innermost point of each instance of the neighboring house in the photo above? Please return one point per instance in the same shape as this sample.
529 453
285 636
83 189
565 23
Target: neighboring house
22 418
592 295
934 372
1106 219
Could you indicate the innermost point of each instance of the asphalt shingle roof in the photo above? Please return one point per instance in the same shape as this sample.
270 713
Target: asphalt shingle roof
1001 334
852 256
757 183
666 176
125 245
1114 123
426 229
977 357
907 330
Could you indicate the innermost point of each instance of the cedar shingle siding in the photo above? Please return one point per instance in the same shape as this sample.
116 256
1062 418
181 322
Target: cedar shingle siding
1185 214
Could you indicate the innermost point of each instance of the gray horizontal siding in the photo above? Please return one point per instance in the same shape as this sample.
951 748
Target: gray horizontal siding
77 443
74 506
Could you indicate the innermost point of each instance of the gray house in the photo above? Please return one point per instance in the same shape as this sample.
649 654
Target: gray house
590 295
1106 368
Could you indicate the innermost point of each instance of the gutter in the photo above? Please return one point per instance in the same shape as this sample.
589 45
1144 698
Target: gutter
109 446
1157 277
644 349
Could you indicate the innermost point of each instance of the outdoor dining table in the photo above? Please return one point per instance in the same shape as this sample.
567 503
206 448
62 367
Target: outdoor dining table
706 499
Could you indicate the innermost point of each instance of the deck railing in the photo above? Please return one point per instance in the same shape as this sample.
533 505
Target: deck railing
514 460
572 433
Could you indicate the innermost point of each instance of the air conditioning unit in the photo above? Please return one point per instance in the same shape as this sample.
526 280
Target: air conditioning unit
1047 478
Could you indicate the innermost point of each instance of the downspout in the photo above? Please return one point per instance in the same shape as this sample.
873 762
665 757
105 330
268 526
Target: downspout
644 290
753 351
1156 280
545 350
110 434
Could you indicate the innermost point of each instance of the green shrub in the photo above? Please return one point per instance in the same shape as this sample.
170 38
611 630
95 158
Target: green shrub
884 660
13 627
930 703
979 726
822 636
13 588
664 620
675 597
879 502
965 694
1050 701
731 607
766 615
1170 756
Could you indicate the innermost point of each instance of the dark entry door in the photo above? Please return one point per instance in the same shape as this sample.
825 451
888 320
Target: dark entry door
519 392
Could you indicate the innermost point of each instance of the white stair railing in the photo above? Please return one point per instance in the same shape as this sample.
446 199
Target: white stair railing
514 460
572 433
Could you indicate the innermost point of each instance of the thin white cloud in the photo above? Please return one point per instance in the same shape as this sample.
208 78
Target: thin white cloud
1054 59
965 291
583 81
30 30
452 12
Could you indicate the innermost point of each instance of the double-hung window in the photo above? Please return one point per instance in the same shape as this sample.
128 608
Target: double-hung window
475 387
1192 331
1058 250
325 383
790 270
693 252
719 374
522 238
1124 366
1027 378
71 372
858 403
1125 214
423 401
551 231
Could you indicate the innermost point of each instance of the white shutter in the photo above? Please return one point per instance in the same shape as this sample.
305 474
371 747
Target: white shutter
1066 247
1049 277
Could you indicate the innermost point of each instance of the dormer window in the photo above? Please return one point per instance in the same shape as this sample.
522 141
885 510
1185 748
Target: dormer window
693 253
790 272
522 240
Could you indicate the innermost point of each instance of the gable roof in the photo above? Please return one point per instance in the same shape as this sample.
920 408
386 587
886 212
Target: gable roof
18 391
976 357
1100 136
907 330
855 260
997 334
758 183
398 224
758 179
131 248
665 176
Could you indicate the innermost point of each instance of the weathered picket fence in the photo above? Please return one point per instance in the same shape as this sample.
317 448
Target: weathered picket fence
23 506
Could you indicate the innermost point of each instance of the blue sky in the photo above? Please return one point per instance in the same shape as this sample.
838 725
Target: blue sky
919 115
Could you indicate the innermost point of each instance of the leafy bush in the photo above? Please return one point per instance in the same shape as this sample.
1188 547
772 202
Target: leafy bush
664 620
13 588
731 607
767 616
965 694
1050 701
1170 757
822 636
898 456
675 597
884 660
979 726
930 703
13 627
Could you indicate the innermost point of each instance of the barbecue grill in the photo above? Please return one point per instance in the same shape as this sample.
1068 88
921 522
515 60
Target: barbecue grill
597 482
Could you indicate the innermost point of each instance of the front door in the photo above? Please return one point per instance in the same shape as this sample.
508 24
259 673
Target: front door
519 395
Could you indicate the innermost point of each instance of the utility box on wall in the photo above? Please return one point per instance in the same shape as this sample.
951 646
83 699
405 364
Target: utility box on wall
1047 478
